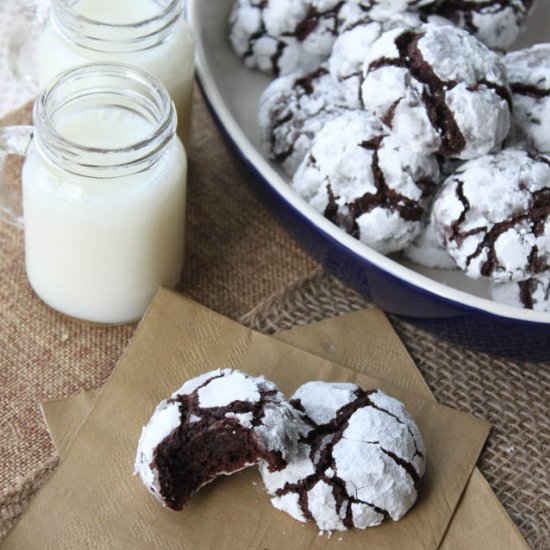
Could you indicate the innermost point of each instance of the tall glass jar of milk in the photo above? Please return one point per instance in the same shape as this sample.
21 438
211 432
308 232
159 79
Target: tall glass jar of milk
151 34
104 183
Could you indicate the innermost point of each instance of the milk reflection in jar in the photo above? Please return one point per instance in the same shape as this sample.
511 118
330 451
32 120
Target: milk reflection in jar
104 184
151 34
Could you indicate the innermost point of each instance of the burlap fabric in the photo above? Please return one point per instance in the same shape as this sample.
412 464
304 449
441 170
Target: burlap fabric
237 256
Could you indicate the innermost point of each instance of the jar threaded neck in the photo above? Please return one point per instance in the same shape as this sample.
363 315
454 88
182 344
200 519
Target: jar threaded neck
99 86
106 37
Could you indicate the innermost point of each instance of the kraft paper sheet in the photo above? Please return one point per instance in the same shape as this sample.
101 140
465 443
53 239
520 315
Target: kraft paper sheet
92 499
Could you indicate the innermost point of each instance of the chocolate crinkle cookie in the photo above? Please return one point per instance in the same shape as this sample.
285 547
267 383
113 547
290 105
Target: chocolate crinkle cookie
532 294
493 216
364 181
432 102
359 29
283 36
497 23
360 463
529 76
293 109
217 423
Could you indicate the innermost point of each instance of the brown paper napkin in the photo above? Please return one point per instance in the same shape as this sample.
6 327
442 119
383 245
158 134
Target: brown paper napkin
479 523
65 417
93 501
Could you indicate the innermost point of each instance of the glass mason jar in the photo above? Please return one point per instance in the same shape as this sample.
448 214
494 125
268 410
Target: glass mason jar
104 184
151 34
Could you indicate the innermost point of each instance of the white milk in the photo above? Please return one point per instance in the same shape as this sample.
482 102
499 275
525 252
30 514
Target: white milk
172 61
98 249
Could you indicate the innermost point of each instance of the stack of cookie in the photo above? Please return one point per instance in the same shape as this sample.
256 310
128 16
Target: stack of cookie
406 124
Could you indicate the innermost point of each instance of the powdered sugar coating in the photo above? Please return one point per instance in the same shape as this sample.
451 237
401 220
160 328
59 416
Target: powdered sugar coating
293 109
360 465
386 8
341 394
208 406
529 75
164 421
532 294
280 429
283 36
431 103
366 183
245 419
299 467
426 250
496 23
222 391
413 447
358 31
493 216
290 504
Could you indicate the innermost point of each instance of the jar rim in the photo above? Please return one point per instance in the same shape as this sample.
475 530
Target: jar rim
172 6
103 36
93 161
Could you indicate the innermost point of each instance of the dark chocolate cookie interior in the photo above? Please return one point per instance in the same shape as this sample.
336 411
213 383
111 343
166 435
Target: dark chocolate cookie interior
208 443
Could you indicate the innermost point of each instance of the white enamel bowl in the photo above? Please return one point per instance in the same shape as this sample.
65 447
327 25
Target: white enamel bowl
445 301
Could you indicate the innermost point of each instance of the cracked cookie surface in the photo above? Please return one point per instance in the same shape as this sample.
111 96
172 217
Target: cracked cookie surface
493 216
529 76
283 36
431 103
386 8
358 30
359 464
497 23
217 423
362 180
293 109
532 294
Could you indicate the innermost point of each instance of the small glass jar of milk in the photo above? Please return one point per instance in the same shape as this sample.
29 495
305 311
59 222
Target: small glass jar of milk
104 184
151 34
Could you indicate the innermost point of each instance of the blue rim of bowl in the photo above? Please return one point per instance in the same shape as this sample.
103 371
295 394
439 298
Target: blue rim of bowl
452 298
